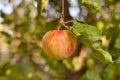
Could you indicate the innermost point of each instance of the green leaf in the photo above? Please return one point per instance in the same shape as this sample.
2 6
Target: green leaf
90 41
85 28
102 55
90 36
87 34
118 60
44 3
92 4
41 5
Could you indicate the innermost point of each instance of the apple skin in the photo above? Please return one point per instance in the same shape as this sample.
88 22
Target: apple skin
59 44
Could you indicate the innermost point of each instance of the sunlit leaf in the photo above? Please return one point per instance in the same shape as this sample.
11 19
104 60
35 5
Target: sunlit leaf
41 5
118 60
94 5
90 36
87 34
103 55
77 63
44 3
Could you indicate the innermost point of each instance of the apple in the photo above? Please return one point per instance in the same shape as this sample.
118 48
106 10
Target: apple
59 44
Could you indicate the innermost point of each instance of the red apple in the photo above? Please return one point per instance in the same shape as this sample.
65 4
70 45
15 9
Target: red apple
59 44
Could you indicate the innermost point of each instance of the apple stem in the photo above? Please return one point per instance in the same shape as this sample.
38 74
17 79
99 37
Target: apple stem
62 16
59 26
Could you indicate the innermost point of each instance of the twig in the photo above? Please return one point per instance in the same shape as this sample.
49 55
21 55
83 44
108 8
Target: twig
62 16
63 8
69 21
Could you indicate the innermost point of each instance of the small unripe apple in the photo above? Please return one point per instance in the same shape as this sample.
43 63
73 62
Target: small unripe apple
59 44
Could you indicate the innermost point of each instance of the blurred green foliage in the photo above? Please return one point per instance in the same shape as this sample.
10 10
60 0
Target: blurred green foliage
22 56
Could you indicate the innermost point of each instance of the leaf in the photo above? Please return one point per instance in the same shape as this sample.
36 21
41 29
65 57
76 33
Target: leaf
92 4
90 36
44 3
90 41
87 34
77 63
102 55
85 28
41 5
68 64
118 60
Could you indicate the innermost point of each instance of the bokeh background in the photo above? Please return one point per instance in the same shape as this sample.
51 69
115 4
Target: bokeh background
23 24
